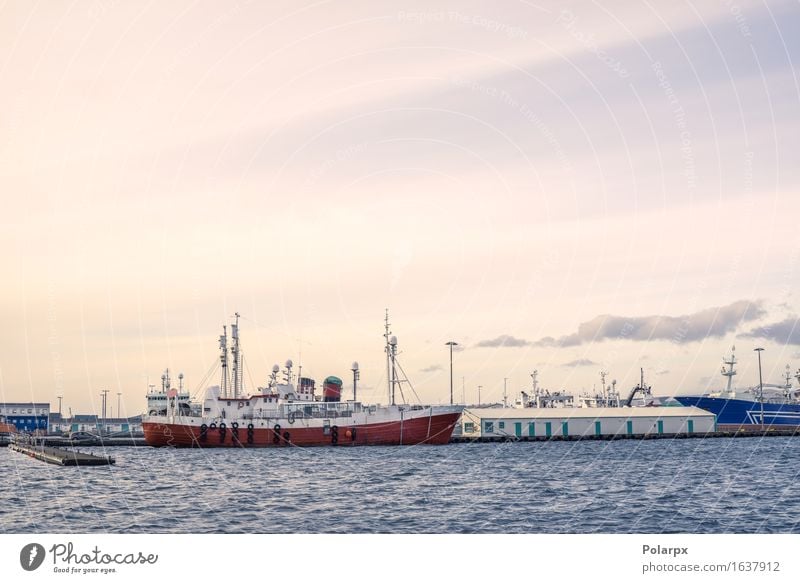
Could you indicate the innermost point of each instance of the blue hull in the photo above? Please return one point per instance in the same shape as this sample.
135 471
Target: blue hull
739 412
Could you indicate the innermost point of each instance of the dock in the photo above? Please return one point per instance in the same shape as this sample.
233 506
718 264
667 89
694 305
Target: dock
99 441
643 436
62 457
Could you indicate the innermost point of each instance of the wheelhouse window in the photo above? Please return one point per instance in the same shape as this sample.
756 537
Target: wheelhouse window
488 426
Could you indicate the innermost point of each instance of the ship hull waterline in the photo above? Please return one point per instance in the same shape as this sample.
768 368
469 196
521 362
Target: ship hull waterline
425 430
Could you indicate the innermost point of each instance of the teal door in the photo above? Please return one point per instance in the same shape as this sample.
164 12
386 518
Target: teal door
691 426
630 427
518 429
597 428
531 429
548 430
564 428
660 427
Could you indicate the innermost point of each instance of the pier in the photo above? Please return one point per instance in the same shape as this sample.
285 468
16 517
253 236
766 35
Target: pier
767 432
61 457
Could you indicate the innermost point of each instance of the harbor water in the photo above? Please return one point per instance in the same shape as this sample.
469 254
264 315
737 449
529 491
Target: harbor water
670 486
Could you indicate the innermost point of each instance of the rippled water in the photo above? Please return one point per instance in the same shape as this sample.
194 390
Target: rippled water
688 485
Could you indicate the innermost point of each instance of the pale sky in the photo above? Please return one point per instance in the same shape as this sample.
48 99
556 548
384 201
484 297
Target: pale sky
497 175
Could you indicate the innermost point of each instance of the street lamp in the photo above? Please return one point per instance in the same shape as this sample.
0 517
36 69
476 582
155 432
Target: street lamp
479 394
356 376
760 386
451 344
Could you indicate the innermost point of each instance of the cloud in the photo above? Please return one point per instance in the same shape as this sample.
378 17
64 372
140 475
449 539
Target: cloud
579 362
785 332
663 371
432 368
504 340
708 323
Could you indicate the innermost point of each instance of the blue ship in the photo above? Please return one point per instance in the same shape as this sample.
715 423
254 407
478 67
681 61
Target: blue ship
764 405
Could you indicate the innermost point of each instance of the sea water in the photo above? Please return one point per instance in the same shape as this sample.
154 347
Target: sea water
743 485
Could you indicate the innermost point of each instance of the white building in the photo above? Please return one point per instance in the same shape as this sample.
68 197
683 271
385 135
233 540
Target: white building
574 422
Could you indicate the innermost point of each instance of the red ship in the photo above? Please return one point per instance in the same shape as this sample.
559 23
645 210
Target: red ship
284 415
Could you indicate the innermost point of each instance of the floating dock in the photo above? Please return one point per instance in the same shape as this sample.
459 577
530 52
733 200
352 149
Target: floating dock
60 441
62 457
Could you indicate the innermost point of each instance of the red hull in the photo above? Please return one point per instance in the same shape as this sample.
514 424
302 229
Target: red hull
434 430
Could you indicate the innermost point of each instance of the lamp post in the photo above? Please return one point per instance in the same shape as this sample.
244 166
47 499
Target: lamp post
479 394
451 344
760 385
59 405
104 394
356 376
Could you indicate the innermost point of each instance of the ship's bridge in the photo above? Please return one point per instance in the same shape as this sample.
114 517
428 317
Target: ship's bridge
321 409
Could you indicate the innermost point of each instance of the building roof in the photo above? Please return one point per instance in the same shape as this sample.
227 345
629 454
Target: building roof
25 404
586 412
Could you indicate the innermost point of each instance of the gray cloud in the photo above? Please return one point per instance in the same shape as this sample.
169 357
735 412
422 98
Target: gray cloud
503 340
432 368
784 332
579 362
662 371
708 323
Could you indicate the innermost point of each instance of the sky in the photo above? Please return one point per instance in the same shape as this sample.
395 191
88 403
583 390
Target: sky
565 187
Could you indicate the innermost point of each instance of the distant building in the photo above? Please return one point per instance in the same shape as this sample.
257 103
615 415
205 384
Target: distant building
26 417
95 424
6 431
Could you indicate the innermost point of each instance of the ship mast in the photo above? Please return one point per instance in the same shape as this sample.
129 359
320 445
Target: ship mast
729 372
603 383
389 358
393 367
787 386
236 356
223 357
